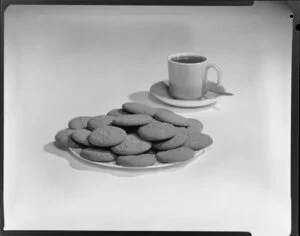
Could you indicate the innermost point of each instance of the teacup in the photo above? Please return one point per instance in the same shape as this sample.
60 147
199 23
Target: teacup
188 75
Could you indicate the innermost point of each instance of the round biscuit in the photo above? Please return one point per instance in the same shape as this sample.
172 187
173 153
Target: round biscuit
132 145
107 136
156 131
197 140
174 142
79 122
175 155
194 125
142 160
98 155
117 112
132 120
99 121
138 108
81 136
64 140
172 118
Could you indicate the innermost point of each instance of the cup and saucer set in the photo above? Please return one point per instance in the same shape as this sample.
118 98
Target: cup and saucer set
188 85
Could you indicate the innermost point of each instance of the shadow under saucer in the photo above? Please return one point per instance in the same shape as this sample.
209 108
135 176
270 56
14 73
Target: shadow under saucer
145 97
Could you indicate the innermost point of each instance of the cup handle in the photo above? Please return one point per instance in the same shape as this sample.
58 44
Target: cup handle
216 68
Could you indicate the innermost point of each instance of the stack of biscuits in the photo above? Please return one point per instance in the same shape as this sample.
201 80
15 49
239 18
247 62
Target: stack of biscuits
135 135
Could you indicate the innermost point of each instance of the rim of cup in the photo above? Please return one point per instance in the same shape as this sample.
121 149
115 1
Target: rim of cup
180 54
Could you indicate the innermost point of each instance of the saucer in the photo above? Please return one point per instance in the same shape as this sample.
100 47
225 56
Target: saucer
160 90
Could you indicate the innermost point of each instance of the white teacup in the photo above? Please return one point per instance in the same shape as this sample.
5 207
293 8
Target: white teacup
188 75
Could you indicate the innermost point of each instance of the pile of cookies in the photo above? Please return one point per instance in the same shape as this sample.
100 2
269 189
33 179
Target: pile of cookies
136 135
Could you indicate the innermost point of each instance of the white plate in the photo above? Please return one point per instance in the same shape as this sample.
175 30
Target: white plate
160 90
157 165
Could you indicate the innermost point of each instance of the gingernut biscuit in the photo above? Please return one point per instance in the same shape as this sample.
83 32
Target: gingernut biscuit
97 155
197 140
194 125
79 122
132 120
64 140
172 118
138 108
156 131
174 142
132 145
117 112
142 160
107 136
81 136
175 155
99 121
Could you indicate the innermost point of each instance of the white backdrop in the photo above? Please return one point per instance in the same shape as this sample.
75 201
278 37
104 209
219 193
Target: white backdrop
65 61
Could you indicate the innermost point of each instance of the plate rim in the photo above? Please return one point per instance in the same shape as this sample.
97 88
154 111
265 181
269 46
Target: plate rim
118 167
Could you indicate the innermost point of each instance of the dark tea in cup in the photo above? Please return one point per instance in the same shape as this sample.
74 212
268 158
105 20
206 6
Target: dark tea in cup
188 59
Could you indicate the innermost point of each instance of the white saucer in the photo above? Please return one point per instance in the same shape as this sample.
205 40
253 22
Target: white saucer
113 165
160 90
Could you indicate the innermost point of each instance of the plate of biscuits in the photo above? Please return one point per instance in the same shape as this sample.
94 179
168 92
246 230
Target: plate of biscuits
136 136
